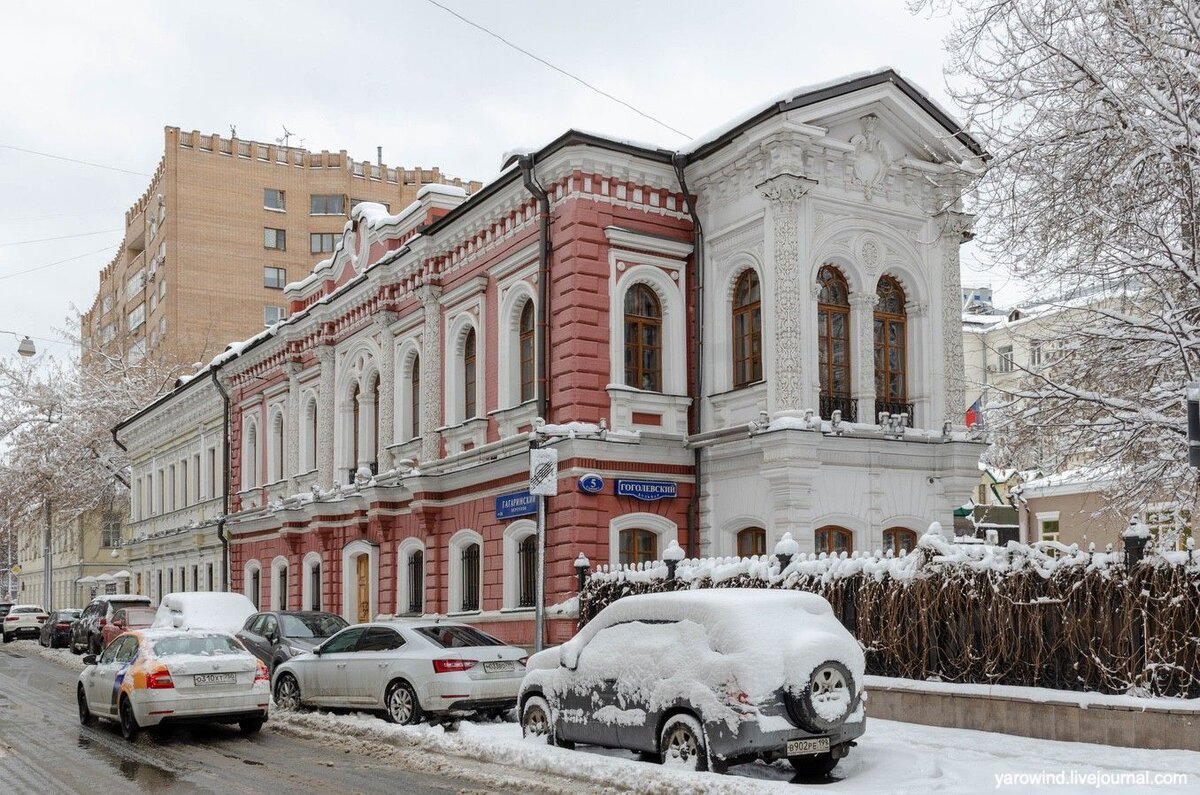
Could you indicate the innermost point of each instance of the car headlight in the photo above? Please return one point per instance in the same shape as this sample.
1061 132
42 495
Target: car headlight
293 650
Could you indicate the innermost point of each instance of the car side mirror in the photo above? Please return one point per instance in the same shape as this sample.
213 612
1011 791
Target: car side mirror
119 624
568 656
272 637
89 659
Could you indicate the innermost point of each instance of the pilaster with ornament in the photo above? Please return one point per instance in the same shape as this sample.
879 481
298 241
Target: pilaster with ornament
862 372
291 431
431 372
325 408
783 194
955 230
387 387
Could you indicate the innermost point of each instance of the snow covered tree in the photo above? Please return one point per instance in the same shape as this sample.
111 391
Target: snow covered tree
1091 111
56 417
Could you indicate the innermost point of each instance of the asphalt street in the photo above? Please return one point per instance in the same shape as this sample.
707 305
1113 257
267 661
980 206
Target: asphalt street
44 749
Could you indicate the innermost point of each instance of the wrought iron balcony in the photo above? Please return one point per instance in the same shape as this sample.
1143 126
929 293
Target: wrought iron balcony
831 403
895 407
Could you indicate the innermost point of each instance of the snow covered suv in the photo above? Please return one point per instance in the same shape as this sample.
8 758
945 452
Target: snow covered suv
704 679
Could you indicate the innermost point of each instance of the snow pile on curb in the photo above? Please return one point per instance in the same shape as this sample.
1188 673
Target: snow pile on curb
63 657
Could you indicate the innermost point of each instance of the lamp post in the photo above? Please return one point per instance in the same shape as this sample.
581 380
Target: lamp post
25 346
48 559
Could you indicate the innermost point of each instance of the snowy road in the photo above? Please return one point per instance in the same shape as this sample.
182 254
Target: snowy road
360 753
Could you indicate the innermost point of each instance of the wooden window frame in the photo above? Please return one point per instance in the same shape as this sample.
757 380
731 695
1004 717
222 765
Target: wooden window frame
746 329
831 275
637 328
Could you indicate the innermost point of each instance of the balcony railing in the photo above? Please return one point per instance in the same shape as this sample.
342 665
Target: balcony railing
895 407
847 405
351 472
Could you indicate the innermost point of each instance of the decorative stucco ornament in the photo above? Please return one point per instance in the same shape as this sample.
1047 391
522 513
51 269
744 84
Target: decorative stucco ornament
871 158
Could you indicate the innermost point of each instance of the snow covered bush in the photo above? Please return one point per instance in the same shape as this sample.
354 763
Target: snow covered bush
1040 614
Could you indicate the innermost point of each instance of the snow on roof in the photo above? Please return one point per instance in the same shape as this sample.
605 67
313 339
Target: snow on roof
1080 479
444 190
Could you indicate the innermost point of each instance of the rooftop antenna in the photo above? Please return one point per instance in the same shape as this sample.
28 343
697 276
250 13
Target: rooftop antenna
379 156
287 136
232 131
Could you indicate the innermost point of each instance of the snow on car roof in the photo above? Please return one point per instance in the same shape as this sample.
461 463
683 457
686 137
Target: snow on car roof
204 610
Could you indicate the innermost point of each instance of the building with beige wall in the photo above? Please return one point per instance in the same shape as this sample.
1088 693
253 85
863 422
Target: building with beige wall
83 563
224 225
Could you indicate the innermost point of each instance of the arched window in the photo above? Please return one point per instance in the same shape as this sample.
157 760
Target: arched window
468 382
527 571
416 581
891 388
747 330
833 339
638 546
899 539
250 476
469 562
276 448
280 586
751 541
310 441
527 355
414 397
834 539
643 338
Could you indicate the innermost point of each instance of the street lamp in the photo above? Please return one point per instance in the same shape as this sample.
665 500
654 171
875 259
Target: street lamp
25 346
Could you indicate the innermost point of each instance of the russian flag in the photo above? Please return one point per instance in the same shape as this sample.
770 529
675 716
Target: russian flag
973 413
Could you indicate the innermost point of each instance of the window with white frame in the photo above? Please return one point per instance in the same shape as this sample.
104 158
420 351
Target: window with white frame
273 314
250 455
279 583
520 564
466 571
1005 352
410 572
275 448
137 316
308 460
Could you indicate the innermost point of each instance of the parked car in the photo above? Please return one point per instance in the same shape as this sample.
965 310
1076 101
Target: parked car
127 618
217 610
278 636
704 679
166 677
87 631
24 621
57 629
410 670
4 608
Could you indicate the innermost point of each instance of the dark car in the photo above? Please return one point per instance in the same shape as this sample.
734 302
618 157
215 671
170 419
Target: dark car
4 608
87 632
57 629
278 636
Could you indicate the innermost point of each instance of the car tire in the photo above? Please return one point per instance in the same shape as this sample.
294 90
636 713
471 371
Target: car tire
536 721
129 724
7 639
819 765
401 704
73 646
830 681
681 743
251 726
287 693
86 718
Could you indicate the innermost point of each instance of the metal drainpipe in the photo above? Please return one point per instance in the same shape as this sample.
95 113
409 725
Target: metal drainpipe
543 306
679 160
224 482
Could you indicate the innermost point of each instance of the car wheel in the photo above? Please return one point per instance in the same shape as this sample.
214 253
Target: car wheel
73 646
826 702
129 724
251 726
818 765
7 639
535 720
287 693
401 703
681 743
86 717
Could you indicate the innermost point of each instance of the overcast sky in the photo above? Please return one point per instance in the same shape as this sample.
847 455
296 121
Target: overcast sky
99 81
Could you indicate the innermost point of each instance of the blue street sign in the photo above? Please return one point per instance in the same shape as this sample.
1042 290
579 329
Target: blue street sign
510 506
591 483
647 490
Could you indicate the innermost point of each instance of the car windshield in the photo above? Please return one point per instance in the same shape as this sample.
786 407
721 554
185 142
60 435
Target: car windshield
206 645
139 617
311 626
456 637
26 609
67 615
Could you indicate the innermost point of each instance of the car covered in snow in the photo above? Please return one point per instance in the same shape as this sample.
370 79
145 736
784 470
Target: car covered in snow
703 679
218 610
157 678
411 670
87 633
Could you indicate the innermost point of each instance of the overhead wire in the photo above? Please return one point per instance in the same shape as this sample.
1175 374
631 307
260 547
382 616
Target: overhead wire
60 237
52 264
74 160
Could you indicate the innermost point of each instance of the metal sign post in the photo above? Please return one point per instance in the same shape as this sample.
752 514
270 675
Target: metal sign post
543 483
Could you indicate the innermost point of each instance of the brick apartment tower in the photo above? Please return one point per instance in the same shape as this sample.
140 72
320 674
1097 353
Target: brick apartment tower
224 225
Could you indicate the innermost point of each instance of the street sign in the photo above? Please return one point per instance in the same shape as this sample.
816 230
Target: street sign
543 471
591 483
510 506
647 490
15 569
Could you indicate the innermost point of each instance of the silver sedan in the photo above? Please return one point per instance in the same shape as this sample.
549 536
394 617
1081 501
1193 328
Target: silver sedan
411 670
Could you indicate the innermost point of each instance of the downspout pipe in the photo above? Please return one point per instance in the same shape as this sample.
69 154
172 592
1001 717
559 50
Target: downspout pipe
695 422
543 305
224 482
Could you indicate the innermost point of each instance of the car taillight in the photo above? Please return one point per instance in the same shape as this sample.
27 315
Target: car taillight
10 618
62 625
43 618
262 675
450 666
103 622
159 680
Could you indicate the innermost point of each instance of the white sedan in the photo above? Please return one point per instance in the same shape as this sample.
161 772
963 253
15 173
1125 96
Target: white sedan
408 669
164 677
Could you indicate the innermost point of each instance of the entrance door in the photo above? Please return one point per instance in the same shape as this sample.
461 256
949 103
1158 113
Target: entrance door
364 588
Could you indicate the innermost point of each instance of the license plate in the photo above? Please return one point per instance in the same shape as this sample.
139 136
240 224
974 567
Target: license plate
814 745
224 679
498 667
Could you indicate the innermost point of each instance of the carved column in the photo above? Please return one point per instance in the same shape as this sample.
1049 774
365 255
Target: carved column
783 194
919 368
431 373
955 230
366 422
862 372
386 404
292 424
325 407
